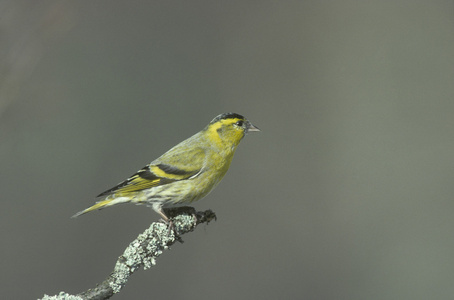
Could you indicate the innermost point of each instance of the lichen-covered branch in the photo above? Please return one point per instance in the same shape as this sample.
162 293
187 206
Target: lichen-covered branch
143 251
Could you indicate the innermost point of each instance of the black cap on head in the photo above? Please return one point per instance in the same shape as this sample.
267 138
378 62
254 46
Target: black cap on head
229 115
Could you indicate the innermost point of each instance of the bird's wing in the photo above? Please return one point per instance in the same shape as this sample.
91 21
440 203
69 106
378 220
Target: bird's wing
159 173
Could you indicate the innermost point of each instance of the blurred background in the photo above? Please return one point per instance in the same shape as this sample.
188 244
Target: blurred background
347 193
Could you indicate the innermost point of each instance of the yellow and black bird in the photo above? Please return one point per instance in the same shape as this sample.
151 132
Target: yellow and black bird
185 173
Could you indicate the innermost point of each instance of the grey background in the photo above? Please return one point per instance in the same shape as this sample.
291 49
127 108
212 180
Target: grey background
347 193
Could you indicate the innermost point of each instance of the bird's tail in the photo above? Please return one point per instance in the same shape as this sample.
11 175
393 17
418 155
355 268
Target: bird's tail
102 204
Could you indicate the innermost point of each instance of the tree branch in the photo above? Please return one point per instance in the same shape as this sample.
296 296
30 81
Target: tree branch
143 251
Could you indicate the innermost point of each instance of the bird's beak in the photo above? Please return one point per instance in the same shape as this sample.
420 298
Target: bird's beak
251 127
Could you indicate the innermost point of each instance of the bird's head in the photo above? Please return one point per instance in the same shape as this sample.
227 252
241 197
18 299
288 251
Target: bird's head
229 128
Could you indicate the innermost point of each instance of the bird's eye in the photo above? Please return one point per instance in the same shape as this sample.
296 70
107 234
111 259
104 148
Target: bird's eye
239 123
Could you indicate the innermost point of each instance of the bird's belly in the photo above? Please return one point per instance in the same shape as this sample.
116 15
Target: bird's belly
179 192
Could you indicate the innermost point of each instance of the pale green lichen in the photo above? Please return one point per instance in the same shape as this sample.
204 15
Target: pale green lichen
143 251
62 296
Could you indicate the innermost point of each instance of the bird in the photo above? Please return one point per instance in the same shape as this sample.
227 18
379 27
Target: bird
186 173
